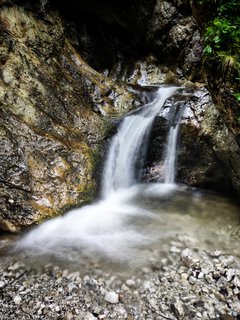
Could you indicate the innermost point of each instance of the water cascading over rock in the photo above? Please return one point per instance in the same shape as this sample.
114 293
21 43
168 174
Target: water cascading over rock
107 227
130 142
131 216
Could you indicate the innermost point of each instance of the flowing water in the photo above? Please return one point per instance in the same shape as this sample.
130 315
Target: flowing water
133 218
171 150
131 138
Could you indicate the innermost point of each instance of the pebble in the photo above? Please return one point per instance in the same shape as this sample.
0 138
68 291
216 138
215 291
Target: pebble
130 283
188 258
174 249
177 309
208 278
85 316
111 297
17 300
184 275
236 282
178 290
68 316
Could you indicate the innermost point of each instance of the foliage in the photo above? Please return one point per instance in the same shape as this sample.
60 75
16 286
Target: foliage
237 96
222 33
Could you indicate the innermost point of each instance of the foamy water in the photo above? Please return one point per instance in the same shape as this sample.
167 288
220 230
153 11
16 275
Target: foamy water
133 218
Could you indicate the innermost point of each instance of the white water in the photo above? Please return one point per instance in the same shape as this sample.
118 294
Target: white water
109 227
121 225
119 170
169 165
171 157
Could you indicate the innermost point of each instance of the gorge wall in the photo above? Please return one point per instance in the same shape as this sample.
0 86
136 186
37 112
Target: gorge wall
68 70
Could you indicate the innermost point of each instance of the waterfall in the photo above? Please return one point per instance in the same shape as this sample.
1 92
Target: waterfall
171 147
132 135
109 228
131 218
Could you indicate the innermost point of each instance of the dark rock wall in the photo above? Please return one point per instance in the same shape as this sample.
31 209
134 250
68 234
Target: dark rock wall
208 152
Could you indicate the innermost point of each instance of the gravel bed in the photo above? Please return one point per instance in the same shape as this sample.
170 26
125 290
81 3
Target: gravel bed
177 283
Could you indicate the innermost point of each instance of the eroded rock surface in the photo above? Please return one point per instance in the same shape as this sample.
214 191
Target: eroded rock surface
52 107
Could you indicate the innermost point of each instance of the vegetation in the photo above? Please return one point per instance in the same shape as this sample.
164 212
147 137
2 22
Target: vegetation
222 35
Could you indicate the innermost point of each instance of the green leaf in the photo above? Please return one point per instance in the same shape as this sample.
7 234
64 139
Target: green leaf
207 49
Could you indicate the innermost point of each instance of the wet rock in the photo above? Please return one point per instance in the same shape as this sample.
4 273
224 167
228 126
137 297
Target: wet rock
202 160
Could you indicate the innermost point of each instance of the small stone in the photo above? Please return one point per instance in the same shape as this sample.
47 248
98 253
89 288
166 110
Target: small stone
199 315
222 282
85 316
192 280
57 308
205 290
215 253
208 278
68 316
130 283
174 249
230 273
2 284
236 291
184 276
7 76
111 297
177 309
188 259
17 300
121 311
236 281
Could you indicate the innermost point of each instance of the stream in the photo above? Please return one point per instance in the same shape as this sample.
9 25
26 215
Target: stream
132 219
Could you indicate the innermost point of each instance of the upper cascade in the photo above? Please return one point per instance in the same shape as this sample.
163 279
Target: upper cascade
129 144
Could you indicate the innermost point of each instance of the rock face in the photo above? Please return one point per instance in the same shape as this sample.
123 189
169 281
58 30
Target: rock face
52 106
108 33
207 150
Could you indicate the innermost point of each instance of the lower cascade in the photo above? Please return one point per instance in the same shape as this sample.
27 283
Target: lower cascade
131 217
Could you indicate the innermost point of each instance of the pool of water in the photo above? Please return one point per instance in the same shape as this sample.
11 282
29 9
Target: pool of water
131 226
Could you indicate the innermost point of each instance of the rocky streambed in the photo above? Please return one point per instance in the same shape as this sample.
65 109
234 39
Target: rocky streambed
178 282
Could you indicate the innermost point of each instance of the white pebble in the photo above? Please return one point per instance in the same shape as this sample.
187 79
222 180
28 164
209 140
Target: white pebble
130 282
17 300
111 297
